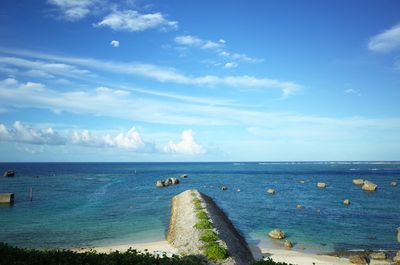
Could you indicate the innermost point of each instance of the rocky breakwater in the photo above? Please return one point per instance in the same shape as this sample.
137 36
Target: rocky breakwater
199 227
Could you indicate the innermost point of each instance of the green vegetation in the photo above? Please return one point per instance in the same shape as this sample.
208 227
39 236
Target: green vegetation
208 236
202 215
215 252
197 205
203 224
19 256
269 261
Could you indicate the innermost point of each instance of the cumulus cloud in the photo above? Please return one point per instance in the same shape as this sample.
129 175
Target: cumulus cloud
387 41
133 21
186 146
353 91
21 133
26 134
74 10
114 43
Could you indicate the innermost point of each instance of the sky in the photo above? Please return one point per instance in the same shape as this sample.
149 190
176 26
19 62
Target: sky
171 81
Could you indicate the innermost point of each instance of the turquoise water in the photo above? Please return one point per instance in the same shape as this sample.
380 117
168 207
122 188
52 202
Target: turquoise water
94 204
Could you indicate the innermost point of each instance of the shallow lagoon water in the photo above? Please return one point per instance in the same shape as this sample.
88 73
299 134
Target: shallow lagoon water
97 204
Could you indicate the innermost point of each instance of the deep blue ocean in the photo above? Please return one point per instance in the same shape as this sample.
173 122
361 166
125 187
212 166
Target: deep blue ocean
97 204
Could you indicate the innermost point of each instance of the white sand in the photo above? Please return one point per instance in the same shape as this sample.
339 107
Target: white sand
295 257
151 247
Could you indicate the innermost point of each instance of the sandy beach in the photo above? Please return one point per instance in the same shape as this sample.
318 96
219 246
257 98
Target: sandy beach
151 247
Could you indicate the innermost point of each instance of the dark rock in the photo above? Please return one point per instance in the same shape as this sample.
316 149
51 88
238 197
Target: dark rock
9 173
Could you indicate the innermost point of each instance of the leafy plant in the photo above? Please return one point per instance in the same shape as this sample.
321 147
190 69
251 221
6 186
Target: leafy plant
202 215
208 236
214 251
203 224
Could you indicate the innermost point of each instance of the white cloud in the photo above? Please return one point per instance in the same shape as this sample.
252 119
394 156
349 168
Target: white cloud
161 74
25 134
44 69
194 41
132 21
231 65
186 146
387 41
114 43
74 10
129 140
240 57
353 91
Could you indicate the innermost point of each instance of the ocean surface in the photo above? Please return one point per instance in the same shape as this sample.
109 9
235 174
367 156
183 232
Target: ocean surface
100 204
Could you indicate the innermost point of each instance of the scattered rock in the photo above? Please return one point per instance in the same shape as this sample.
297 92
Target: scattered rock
356 259
346 202
167 182
393 183
299 206
237 190
369 186
9 173
398 234
321 185
358 181
288 244
378 255
276 234
184 176
302 181
397 257
271 191
159 184
224 188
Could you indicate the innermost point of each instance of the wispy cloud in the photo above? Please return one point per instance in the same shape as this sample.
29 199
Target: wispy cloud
217 46
386 41
133 21
155 72
194 41
353 91
74 10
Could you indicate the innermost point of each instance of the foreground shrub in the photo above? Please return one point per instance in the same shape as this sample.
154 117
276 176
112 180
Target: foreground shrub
214 251
19 256
208 236
203 224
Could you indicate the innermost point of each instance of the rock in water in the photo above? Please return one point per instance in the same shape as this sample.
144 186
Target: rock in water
346 202
378 255
358 181
159 184
393 183
288 244
271 191
398 234
184 176
369 186
276 234
9 173
321 185
237 190
356 259
302 181
224 188
299 206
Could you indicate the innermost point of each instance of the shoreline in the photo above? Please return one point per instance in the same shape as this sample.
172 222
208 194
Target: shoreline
278 255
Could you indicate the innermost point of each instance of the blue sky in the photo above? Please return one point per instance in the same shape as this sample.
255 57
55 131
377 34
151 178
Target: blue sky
102 80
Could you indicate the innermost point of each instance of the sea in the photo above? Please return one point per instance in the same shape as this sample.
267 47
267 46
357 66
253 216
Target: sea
101 204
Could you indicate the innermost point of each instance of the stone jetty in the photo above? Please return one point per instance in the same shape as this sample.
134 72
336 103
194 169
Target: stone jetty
193 215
